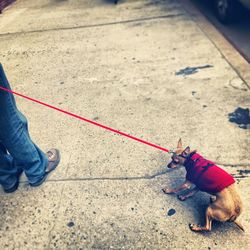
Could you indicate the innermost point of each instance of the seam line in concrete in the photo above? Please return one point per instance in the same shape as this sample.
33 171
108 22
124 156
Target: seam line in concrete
232 164
58 209
145 177
94 25
133 178
54 224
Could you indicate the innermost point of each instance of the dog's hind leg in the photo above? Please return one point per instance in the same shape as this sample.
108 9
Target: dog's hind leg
208 225
216 212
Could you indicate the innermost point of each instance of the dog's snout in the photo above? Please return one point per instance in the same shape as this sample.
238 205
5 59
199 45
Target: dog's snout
169 165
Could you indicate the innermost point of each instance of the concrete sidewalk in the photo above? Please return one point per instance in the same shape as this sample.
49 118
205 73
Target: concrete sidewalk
117 65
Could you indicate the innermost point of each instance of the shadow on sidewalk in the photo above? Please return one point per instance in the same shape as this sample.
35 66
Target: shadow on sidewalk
111 1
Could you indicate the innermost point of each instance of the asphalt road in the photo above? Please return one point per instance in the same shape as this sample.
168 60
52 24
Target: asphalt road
237 33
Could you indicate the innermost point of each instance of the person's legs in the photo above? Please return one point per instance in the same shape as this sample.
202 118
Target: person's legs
8 172
23 153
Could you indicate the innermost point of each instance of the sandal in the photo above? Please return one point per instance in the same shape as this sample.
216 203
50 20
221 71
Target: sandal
53 161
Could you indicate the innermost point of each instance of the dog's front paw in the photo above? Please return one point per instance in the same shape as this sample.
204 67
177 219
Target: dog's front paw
182 197
167 191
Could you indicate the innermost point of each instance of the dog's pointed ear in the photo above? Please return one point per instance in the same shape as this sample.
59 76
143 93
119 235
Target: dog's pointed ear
179 145
186 152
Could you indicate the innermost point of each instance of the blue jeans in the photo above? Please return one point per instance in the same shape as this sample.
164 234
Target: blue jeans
17 151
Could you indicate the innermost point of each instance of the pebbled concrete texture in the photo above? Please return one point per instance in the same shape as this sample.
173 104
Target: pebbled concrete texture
28 216
117 65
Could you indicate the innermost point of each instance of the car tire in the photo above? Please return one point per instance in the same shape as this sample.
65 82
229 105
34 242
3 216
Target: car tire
227 11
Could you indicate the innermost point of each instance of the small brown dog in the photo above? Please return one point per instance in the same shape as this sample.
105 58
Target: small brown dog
226 204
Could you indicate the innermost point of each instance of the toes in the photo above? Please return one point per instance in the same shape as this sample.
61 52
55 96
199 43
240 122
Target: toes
181 198
166 191
194 227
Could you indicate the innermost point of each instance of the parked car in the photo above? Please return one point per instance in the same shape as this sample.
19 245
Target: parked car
228 10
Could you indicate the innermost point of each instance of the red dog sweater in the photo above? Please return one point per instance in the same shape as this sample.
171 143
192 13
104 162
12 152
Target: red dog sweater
206 175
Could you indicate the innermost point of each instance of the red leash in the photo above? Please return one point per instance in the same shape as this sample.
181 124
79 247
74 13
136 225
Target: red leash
87 120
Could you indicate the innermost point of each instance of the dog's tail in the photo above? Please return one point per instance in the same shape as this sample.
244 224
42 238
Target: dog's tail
239 225
234 219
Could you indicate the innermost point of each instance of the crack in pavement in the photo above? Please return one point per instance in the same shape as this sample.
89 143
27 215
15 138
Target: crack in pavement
232 164
92 25
145 177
